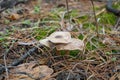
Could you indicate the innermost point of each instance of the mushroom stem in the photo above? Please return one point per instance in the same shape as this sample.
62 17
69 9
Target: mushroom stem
67 52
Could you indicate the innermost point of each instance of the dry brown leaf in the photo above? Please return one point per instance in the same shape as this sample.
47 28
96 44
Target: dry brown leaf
118 75
30 71
14 16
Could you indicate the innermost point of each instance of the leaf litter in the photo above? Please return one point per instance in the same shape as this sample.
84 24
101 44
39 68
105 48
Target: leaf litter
98 58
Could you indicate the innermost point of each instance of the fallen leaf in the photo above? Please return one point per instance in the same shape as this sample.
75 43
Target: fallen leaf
118 75
30 71
14 16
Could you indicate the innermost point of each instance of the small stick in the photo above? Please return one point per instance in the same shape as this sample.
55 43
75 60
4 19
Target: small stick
95 17
21 59
68 10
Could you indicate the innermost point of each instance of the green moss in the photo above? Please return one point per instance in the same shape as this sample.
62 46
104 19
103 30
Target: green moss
81 37
26 22
108 18
2 39
114 59
52 29
74 53
55 13
89 26
62 52
90 46
108 53
117 6
6 21
72 14
36 9
81 19
40 33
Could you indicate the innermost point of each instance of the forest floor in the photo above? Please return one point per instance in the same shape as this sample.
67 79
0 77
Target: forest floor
25 24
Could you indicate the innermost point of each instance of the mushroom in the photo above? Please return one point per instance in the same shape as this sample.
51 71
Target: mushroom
60 37
75 44
63 41
45 42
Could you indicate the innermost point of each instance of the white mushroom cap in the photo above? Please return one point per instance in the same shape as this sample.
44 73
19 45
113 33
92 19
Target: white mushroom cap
75 44
60 37
63 41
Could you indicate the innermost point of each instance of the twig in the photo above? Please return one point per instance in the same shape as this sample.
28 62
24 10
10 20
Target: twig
100 12
21 59
5 63
117 24
68 10
95 17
